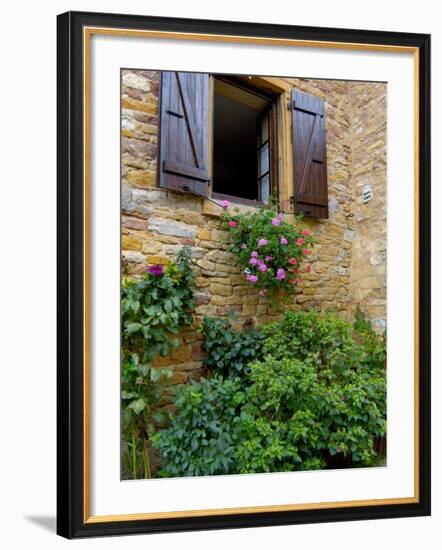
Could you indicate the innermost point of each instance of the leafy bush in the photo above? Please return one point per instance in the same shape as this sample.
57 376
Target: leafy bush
296 417
142 389
200 440
156 306
229 351
374 344
270 250
314 401
326 340
153 309
278 430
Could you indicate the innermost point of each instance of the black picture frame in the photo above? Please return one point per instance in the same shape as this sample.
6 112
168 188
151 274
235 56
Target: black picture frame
71 519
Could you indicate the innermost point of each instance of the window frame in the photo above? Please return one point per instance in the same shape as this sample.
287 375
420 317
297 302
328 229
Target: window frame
273 97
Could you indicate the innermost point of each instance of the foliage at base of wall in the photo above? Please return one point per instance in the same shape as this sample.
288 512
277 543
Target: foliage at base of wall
314 397
229 352
153 309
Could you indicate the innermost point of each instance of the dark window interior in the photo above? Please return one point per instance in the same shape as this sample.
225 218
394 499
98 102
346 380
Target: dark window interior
240 124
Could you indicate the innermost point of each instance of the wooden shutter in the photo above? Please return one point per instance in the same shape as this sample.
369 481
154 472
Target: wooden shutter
184 132
309 153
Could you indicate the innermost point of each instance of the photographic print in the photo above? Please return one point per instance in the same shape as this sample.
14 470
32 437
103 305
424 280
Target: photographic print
243 274
253 296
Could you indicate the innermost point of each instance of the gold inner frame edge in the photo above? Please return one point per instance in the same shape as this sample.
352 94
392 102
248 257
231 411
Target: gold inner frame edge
87 33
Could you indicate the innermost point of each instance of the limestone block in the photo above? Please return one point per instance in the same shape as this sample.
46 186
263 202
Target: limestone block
170 227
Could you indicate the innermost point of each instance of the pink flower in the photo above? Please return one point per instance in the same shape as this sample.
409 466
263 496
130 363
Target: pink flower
309 268
232 223
276 221
254 254
225 204
268 258
283 240
243 246
307 251
262 242
298 280
156 270
305 232
253 261
280 274
300 241
262 267
293 261
252 278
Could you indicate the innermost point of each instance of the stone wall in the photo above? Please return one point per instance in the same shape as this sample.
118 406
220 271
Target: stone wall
368 260
157 223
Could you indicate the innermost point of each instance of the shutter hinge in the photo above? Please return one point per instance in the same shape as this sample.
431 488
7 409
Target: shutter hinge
174 113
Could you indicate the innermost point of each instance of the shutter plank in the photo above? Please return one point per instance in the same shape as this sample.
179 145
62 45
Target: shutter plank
309 154
181 168
192 134
184 132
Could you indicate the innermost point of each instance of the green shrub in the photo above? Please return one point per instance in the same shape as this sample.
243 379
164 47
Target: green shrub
326 340
228 351
314 398
200 439
374 345
141 391
296 417
153 308
278 430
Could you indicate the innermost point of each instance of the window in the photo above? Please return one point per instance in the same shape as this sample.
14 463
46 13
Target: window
224 142
241 141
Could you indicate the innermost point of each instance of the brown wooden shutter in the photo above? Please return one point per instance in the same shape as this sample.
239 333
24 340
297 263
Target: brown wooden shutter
184 132
309 153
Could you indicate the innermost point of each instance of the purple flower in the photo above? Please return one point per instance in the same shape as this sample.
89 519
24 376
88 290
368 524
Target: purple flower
225 204
276 221
253 261
252 278
280 274
262 267
262 242
156 270
243 246
254 254
268 258
283 240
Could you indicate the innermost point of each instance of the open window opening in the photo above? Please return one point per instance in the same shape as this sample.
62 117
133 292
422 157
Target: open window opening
244 138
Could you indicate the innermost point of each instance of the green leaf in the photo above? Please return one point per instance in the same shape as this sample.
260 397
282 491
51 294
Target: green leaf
133 327
155 374
137 406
